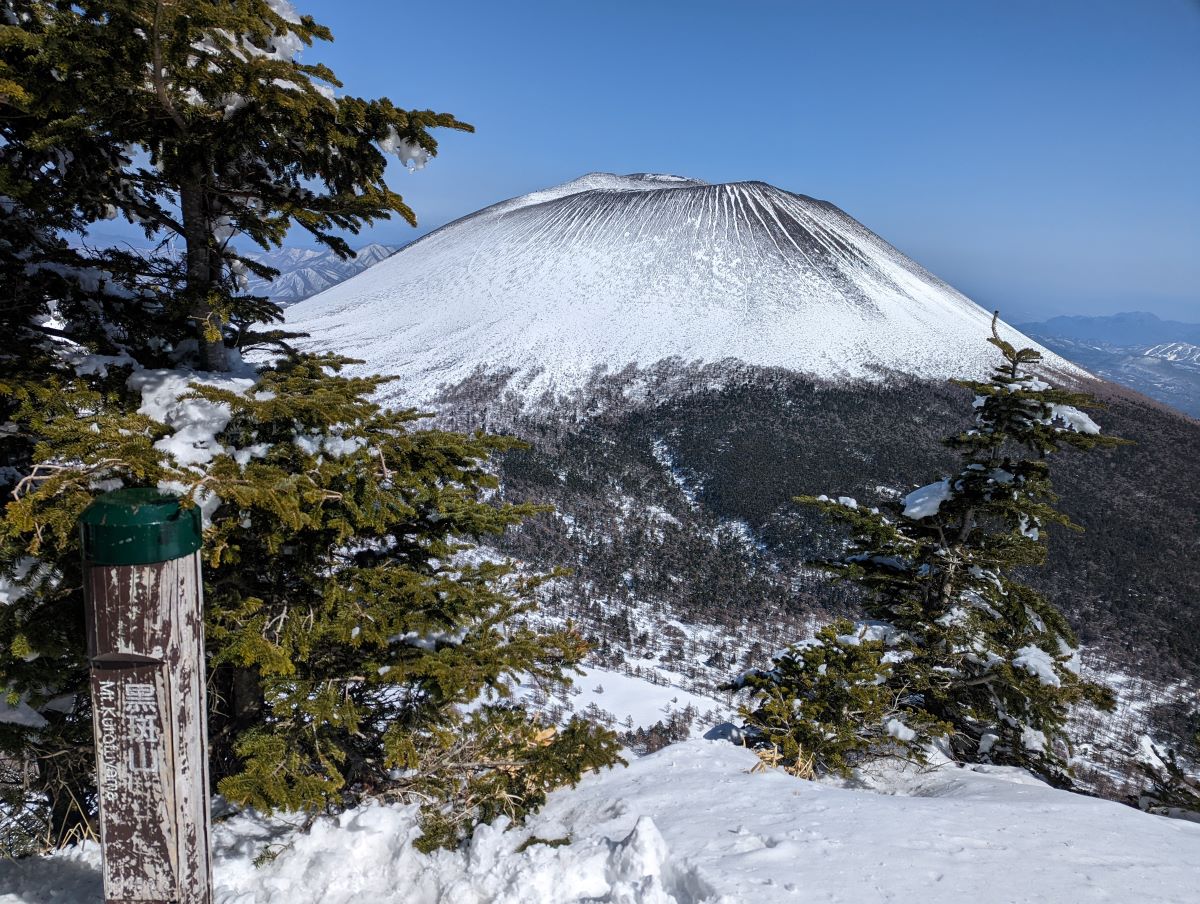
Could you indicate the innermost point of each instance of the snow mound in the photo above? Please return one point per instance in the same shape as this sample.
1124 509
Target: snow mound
557 286
989 836
367 855
693 824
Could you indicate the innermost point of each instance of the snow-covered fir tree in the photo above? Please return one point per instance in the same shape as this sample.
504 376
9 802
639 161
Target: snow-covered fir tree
349 619
827 704
1172 776
970 648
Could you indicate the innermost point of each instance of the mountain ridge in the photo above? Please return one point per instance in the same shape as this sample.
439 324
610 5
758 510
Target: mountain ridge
1126 329
605 271
304 272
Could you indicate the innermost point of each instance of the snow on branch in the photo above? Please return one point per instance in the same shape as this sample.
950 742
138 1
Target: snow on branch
925 502
409 153
1074 419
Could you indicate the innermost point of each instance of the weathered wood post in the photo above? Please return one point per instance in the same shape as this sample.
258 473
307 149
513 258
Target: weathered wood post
145 628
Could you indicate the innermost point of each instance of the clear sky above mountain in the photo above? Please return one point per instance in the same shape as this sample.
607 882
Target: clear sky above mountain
1042 157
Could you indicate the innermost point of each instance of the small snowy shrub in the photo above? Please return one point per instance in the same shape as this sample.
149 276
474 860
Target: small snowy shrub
826 704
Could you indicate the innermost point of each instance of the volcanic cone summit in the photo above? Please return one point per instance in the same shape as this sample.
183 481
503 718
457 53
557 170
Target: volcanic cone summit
606 271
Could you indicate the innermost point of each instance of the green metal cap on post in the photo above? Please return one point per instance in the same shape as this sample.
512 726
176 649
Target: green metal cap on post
138 526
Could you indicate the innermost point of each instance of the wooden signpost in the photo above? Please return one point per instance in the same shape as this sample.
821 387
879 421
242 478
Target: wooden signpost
146 643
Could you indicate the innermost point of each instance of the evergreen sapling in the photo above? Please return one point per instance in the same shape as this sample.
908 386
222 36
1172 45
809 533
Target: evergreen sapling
969 652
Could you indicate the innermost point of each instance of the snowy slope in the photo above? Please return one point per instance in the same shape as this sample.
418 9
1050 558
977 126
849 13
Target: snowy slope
1175 351
607 271
618 699
693 825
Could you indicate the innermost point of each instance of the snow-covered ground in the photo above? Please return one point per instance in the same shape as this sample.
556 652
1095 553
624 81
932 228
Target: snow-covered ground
693 824
635 702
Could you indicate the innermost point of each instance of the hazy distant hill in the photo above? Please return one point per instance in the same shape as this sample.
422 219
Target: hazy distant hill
1160 358
307 271
1133 328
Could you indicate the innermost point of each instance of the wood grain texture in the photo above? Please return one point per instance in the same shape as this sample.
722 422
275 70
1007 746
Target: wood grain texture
146 641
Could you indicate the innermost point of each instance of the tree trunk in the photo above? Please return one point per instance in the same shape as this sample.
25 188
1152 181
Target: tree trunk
247 697
238 705
202 273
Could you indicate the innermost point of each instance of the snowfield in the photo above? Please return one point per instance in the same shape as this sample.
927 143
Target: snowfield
634 701
693 824
558 286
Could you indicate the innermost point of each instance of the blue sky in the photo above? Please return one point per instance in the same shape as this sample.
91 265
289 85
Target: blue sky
1042 157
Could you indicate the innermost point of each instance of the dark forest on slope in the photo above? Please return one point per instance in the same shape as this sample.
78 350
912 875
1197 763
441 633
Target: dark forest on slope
684 496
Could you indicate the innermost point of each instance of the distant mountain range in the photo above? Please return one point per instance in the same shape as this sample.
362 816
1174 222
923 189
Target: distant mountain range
1133 328
307 271
1160 358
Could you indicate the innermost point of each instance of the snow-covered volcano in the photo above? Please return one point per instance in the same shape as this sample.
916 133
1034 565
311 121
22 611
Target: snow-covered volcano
607 271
